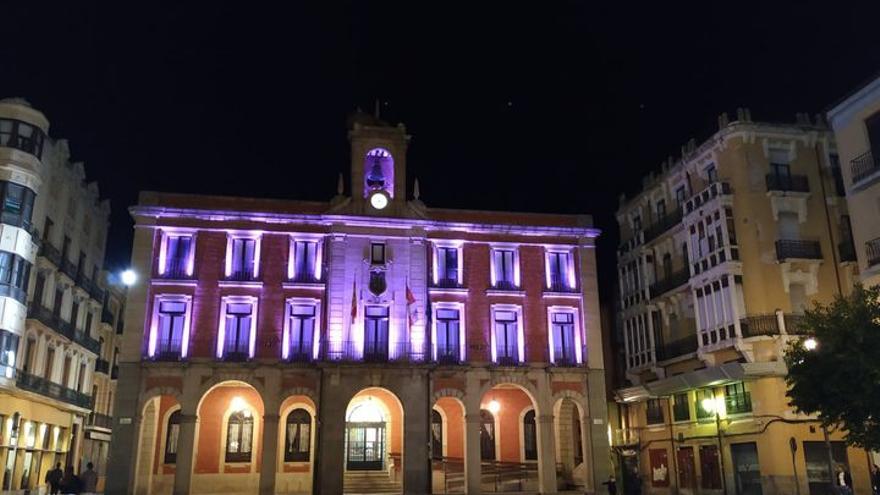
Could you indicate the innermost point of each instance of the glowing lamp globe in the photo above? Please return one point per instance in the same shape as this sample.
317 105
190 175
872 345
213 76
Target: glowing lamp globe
128 277
494 407
811 344
378 200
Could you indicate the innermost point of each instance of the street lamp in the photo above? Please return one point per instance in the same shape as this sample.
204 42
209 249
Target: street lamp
811 344
128 277
716 405
494 406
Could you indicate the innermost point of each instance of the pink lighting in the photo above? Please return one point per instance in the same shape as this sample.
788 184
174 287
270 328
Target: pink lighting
386 166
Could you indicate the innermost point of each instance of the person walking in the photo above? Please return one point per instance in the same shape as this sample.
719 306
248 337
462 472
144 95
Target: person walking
611 484
875 479
70 484
89 480
53 478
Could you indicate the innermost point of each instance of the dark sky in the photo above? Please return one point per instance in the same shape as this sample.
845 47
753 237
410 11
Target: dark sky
535 106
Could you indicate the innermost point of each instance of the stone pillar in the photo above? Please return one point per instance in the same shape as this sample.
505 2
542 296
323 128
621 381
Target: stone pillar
330 463
185 449
125 444
269 467
472 467
416 437
587 452
546 454
597 424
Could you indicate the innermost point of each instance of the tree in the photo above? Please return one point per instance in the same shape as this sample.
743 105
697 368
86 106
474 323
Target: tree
839 379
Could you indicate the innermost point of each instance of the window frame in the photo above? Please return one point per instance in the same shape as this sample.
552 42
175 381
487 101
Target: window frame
576 332
438 248
293 259
515 269
153 341
569 276
300 455
221 333
457 306
243 418
173 420
678 406
230 244
515 308
651 418
287 338
164 268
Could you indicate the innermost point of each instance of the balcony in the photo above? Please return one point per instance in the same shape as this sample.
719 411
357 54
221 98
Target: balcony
68 268
505 285
176 270
236 355
102 366
566 357
447 354
872 252
100 420
376 352
662 225
48 388
302 354
759 325
676 348
305 278
847 251
49 252
794 324
711 192
673 281
797 249
22 136
562 287
106 316
864 166
168 350
788 183
241 276
447 283
89 286
507 355
56 323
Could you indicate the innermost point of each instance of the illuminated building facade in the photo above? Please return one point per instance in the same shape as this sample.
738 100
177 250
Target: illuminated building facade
365 344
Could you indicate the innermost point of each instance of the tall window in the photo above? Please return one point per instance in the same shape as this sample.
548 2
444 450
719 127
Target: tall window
301 328
14 276
711 173
177 256
243 260
376 333
558 271
239 436
18 204
448 335
436 434
530 437
504 268
487 435
681 407
305 255
237 330
171 434
680 196
172 318
562 329
737 399
377 253
447 266
654 411
506 337
8 348
74 313
661 209
298 436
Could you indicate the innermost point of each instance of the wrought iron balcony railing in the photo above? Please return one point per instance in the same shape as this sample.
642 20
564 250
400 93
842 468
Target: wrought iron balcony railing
447 283
48 388
102 366
863 166
68 268
673 281
505 285
49 252
507 355
662 225
56 323
301 353
712 191
565 356
872 251
798 249
447 353
759 325
100 420
373 352
793 183
168 350
562 287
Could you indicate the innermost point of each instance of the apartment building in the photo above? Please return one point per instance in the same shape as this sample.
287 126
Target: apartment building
367 344
54 228
856 124
722 251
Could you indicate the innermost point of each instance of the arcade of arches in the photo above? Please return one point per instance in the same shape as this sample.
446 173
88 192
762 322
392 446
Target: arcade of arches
379 434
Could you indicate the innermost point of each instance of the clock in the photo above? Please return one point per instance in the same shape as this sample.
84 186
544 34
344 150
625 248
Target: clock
379 200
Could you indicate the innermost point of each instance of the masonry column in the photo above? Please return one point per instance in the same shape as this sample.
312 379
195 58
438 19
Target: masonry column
330 463
269 467
546 454
122 460
472 467
416 438
186 440
587 451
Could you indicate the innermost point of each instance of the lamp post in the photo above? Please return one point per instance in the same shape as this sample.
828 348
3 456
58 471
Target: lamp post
716 405
811 344
128 277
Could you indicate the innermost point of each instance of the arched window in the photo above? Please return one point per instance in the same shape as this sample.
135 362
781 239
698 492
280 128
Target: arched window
239 436
171 434
487 436
298 440
530 440
436 434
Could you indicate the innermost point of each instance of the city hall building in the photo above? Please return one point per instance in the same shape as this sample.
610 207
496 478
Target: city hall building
365 344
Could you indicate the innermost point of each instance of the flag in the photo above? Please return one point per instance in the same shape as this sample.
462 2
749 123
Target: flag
354 304
410 300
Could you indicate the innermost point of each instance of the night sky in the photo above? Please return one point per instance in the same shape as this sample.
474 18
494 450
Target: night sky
544 106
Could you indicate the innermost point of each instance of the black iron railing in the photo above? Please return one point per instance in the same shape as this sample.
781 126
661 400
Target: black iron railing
373 352
794 324
565 356
100 420
847 250
712 191
48 388
447 283
507 355
302 353
863 166
305 278
168 350
102 366
759 325
505 285
562 286
662 225
676 348
238 354
49 252
794 183
872 251
175 269
68 268
798 249
673 281
447 353
241 276
56 323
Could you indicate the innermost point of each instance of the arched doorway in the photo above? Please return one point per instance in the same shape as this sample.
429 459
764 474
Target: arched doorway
487 435
436 434
365 438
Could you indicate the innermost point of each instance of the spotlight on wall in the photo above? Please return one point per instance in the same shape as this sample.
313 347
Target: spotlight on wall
238 405
494 406
128 277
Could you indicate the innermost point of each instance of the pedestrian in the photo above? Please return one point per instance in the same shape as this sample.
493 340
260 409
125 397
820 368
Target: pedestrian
53 478
844 481
611 484
89 480
875 479
70 484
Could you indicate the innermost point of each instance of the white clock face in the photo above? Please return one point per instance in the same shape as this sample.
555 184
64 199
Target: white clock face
378 201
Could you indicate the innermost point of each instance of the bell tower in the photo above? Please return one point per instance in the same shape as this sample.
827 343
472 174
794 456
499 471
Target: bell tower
378 165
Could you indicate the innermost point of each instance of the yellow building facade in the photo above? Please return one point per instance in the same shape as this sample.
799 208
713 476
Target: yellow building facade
722 251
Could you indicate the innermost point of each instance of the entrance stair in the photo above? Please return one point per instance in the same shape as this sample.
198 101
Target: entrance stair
370 482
